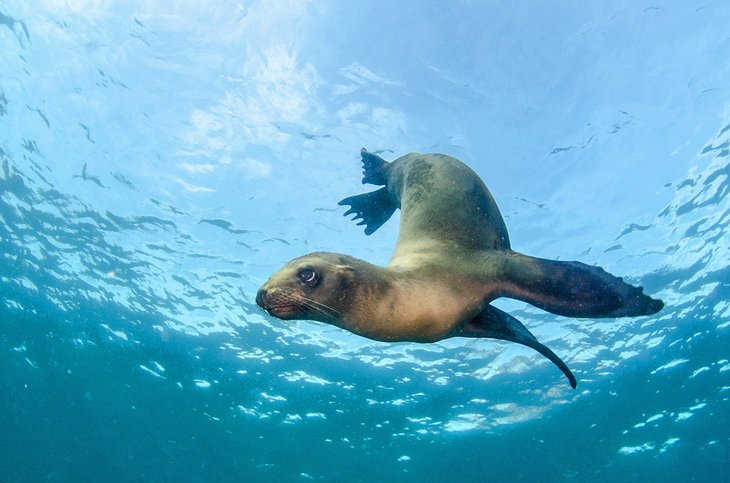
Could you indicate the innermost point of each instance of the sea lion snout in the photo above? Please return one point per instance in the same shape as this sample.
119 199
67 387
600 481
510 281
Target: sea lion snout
274 302
269 299
261 297
280 302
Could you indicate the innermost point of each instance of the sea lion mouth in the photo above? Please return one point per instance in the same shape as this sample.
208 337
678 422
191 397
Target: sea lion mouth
273 304
283 311
288 305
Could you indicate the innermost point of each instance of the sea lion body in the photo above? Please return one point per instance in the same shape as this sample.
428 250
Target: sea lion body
398 304
452 258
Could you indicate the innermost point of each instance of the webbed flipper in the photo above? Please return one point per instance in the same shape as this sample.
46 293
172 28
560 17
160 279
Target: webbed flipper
373 168
373 209
496 324
376 207
573 289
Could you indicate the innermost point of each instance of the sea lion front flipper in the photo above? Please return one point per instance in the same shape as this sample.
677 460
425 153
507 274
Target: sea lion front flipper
496 324
374 208
573 289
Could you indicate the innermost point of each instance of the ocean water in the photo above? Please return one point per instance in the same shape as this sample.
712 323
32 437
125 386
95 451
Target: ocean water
159 160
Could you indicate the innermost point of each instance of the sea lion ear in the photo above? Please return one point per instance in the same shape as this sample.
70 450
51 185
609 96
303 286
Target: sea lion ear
344 272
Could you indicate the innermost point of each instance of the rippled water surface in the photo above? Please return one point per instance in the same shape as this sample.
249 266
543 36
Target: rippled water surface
158 162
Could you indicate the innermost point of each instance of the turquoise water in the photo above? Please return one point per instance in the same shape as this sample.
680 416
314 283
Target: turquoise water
158 163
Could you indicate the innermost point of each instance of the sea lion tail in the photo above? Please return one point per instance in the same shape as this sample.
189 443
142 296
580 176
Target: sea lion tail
496 324
373 168
572 289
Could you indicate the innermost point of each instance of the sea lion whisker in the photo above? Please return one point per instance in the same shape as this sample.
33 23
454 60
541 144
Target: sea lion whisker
324 308
319 306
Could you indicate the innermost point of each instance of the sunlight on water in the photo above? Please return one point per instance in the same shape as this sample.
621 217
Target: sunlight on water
158 163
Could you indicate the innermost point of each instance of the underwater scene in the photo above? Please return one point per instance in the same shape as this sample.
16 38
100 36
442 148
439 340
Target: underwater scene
160 161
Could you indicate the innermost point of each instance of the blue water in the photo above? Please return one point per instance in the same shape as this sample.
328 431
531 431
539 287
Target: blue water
158 163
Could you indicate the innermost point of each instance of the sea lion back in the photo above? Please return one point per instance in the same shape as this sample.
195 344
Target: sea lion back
442 202
442 199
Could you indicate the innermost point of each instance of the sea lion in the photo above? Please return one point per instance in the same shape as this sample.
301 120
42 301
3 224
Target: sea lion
452 258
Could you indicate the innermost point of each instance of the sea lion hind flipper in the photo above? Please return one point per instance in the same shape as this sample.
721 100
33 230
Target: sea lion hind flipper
496 324
573 289
374 208
373 167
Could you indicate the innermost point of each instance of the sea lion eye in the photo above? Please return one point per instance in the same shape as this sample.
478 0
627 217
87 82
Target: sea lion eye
307 275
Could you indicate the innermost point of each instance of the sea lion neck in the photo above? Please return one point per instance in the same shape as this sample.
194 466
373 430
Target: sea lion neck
359 285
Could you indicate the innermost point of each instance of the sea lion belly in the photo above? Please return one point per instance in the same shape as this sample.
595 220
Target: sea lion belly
423 304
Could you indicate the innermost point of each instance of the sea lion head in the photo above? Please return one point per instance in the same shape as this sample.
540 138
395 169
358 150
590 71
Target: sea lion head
318 286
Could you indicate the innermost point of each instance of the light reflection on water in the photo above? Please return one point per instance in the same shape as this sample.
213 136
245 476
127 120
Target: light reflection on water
155 168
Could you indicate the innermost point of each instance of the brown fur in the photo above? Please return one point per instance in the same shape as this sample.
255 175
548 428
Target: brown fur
452 258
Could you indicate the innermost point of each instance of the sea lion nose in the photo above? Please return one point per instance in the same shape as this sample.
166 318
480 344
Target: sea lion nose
261 297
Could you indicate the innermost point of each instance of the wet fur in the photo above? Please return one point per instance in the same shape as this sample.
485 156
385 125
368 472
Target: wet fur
452 258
